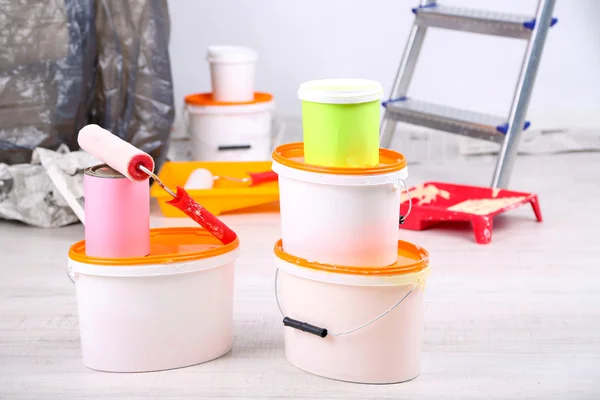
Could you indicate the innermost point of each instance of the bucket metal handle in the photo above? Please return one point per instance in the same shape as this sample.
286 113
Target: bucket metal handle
323 332
403 217
185 117
70 273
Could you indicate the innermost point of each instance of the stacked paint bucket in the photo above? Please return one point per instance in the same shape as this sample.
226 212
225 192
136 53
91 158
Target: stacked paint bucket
147 299
350 293
233 122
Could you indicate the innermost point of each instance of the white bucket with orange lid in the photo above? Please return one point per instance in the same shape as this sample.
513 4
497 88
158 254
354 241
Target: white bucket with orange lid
222 131
356 324
339 215
170 309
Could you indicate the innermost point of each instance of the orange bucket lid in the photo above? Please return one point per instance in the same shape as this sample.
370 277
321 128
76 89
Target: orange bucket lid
206 99
292 155
411 259
167 245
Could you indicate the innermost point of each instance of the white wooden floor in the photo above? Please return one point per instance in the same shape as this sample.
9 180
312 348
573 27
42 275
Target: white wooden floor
519 318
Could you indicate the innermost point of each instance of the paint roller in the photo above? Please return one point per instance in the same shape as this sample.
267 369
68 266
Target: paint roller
137 165
202 178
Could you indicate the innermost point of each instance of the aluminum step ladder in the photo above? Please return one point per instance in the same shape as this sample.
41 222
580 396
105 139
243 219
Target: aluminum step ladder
505 131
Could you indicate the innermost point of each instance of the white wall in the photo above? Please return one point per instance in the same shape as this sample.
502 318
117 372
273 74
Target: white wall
313 39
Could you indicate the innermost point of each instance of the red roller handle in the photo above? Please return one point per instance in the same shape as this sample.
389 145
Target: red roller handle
262 177
202 216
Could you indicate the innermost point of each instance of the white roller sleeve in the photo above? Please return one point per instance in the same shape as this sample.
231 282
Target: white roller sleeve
200 178
115 152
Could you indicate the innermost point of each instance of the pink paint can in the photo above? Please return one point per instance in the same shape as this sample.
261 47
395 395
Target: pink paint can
117 214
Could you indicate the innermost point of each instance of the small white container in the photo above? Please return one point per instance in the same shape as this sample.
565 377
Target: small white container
230 131
345 216
171 309
232 70
366 324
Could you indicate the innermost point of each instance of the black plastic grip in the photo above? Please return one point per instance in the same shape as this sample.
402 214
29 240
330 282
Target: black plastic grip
235 147
305 327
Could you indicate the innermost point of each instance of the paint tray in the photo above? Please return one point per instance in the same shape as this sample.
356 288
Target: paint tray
225 196
436 202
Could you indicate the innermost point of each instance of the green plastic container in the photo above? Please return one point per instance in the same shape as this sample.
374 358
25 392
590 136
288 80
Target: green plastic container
340 121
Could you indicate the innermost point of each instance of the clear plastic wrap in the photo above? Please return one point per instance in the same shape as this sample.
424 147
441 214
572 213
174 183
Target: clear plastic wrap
45 192
134 89
66 63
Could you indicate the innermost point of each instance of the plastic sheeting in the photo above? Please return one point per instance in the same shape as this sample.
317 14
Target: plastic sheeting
67 63
56 178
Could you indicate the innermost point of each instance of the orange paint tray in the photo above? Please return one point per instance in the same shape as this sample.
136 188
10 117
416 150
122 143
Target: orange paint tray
225 196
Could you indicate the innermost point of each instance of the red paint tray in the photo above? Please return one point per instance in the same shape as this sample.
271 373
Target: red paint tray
435 202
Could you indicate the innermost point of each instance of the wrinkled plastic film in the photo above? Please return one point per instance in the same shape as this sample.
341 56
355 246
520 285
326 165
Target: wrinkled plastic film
47 55
134 96
66 63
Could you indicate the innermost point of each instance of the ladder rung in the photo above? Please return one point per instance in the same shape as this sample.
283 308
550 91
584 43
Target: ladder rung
478 21
448 119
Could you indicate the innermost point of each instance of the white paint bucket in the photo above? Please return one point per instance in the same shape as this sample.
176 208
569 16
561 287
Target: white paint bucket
171 309
232 72
346 216
354 324
229 131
